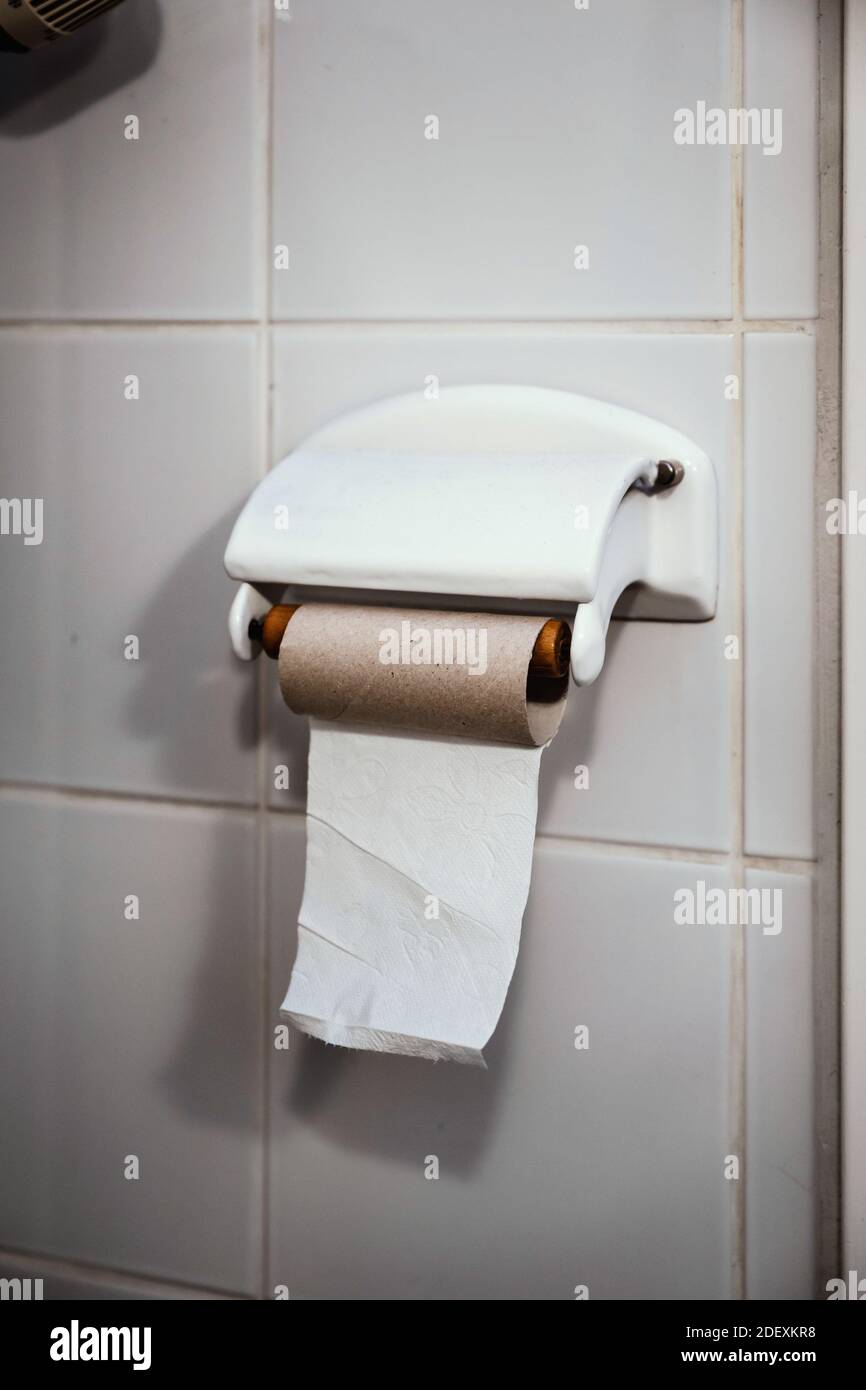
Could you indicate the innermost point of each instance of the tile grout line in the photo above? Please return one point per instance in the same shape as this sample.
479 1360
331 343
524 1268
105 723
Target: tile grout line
737 963
55 791
697 854
672 854
34 1264
827 646
266 35
570 328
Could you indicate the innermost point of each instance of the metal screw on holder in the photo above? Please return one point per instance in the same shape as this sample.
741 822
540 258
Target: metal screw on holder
669 472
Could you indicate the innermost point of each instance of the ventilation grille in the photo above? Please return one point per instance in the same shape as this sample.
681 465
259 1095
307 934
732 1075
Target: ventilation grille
64 16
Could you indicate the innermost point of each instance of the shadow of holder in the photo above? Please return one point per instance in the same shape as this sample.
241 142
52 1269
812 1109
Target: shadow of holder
46 88
206 1070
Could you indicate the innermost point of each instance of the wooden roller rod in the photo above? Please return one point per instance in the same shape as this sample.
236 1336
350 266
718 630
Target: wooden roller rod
269 630
552 650
549 655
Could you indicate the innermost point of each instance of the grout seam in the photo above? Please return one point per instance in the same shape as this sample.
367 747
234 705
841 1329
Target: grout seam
34 791
550 327
737 961
31 1263
828 654
262 749
51 791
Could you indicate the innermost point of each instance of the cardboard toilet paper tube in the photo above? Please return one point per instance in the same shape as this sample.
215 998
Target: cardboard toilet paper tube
458 674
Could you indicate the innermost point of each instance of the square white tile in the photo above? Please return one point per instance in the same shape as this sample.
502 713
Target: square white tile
138 500
557 1166
654 729
168 225
131 1037
555 132
780 444
780 1117
780 47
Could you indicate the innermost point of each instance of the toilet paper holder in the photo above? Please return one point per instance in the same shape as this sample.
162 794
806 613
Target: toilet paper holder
499 498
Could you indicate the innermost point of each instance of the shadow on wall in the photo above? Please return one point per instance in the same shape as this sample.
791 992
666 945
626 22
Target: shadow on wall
48 87
170 702
395 1108
207 1070
579 727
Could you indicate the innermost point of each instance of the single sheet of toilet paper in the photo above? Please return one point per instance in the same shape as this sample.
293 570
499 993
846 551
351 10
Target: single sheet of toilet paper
419 843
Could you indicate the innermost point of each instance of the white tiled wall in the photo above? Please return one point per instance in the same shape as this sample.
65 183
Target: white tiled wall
779 444
151 873
543 144
780 1116
781 55
557 1167
167 226
131 1038
139 497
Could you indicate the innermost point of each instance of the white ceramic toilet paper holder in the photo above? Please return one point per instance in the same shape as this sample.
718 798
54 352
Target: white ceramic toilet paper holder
514 498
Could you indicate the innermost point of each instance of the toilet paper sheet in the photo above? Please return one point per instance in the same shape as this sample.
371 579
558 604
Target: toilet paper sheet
419 844
419 851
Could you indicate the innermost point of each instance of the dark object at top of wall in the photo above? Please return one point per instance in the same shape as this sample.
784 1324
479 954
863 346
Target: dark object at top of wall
28 24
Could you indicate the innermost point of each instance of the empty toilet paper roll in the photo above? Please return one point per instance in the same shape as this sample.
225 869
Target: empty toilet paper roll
426 739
